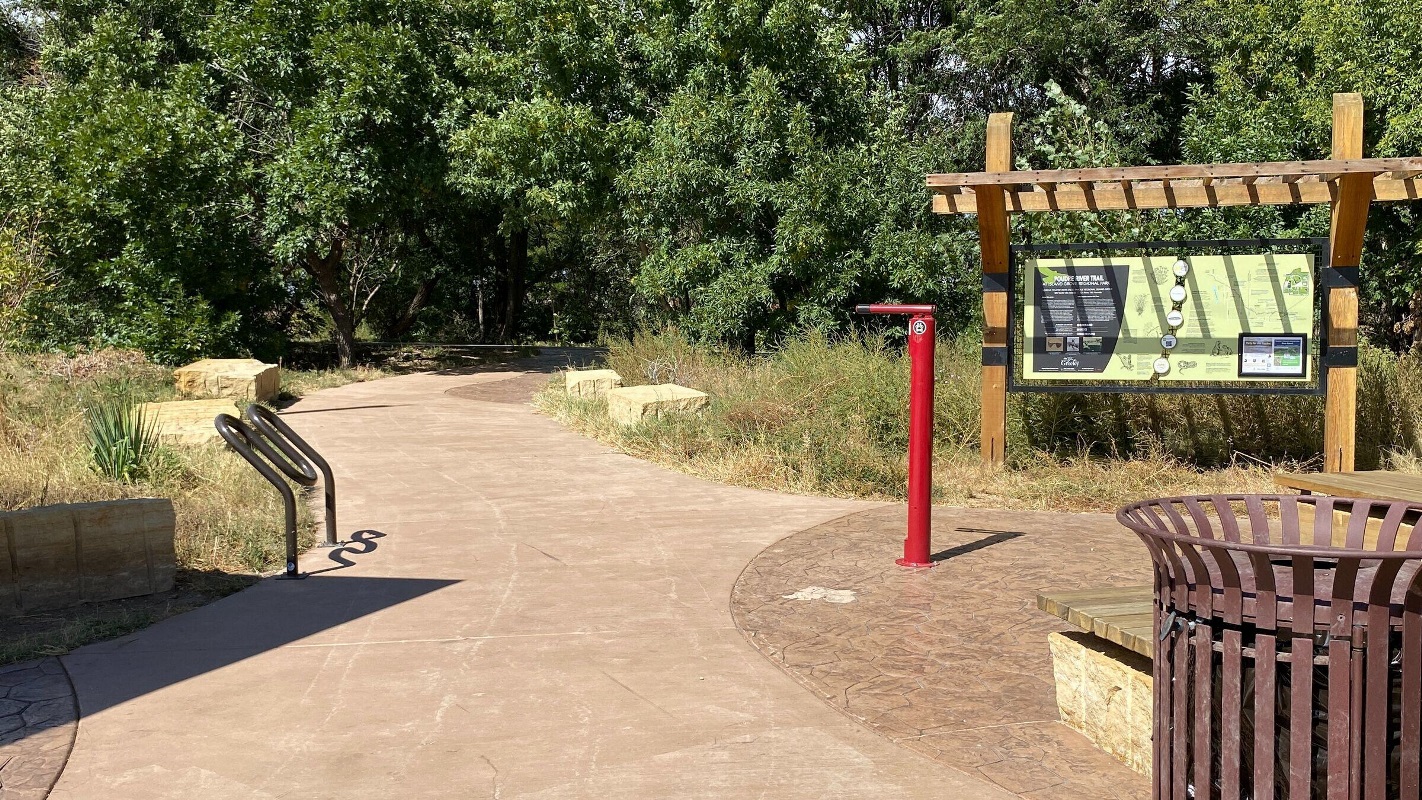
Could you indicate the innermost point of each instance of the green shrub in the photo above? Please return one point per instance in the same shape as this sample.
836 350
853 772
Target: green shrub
123 441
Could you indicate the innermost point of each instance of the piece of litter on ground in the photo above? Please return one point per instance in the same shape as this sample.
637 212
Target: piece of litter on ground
821 593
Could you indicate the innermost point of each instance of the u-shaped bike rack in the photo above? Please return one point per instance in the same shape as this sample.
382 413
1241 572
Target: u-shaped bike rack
282 448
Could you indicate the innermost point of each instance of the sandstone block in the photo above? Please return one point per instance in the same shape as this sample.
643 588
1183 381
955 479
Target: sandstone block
590 382
632 404
86 552
187 421
1104 692
240 378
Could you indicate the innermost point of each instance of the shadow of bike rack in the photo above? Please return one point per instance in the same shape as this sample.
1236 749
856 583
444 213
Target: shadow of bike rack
281 448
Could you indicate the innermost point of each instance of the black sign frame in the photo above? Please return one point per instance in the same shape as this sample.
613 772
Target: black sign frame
1303 341
1323 277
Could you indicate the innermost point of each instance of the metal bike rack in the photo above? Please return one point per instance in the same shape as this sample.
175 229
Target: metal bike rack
289 453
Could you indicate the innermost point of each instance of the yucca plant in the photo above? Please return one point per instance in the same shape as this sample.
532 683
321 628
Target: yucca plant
122 440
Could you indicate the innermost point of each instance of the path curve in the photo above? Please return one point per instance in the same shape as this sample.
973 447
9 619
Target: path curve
952 662
527 614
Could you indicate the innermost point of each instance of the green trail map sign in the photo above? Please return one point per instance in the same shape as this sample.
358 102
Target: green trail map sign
1231 318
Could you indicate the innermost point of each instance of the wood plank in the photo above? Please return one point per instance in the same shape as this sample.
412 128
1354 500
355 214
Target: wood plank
993 239
1370 484
954 200
1124 616
1337 166
1349 220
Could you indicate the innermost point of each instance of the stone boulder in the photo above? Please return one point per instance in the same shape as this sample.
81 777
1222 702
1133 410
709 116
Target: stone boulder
632 404
1104 692
590 382
63 555
239 378
187 421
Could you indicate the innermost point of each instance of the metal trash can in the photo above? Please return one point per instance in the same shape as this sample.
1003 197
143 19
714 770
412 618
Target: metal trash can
1288 655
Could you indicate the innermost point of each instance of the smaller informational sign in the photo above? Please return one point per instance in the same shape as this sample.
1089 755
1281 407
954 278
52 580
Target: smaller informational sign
1273 356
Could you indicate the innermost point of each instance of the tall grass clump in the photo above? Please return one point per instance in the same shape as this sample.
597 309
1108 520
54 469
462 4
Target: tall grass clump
69 434
1211 431
827 415
123 442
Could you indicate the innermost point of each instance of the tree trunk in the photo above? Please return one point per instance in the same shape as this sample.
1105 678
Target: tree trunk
326 271
479 308
412 311
514 287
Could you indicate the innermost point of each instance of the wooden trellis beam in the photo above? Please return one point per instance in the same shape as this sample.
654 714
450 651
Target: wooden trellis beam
1179 186
1347 181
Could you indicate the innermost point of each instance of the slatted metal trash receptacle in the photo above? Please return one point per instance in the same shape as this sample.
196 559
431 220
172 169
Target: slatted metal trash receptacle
1288 657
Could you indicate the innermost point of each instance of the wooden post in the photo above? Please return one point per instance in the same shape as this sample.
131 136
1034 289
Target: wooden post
993 236
1350 218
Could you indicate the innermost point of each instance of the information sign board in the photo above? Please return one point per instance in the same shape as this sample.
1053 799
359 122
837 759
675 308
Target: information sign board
1134 319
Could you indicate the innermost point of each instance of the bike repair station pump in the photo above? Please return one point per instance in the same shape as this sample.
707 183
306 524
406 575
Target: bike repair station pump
920 449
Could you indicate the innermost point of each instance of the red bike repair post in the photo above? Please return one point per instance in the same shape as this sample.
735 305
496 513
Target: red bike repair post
920 456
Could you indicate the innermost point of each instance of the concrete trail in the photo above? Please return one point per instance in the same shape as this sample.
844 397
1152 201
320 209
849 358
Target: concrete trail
527 614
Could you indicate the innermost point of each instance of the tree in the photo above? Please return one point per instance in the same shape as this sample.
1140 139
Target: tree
1276 68
338 103
196 160
538 133
205 177
17 44
134 185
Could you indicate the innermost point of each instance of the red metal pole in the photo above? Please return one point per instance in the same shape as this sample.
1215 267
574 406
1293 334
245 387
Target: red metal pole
920 458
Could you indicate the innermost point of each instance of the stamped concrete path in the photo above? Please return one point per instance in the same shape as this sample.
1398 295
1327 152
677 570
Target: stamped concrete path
525 614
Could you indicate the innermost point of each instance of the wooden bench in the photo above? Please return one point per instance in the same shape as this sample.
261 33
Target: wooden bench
1377 484
1124 616
1121 616
1103 684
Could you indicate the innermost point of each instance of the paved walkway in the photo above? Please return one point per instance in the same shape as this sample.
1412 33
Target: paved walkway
37 724
527 614
951 662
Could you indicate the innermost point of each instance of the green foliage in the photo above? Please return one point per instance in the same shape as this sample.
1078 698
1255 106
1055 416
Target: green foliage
123 441
133 183
17 43
777 187
1275 67
215 178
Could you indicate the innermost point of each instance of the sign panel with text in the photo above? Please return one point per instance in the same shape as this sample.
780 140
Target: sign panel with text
1139 319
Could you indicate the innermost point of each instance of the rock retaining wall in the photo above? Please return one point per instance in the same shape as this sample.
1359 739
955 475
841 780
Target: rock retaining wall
64 555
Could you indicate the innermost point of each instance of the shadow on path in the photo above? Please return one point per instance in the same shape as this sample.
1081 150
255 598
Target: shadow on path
361 543
267 616
995 537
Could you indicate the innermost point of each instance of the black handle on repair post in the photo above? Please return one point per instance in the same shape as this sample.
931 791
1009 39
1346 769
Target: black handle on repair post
895 308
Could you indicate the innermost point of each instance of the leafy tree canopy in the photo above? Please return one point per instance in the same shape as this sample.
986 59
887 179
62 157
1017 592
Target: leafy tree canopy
203 178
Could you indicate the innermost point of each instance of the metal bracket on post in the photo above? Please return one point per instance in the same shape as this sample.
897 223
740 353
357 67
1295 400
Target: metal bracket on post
921 338
281 448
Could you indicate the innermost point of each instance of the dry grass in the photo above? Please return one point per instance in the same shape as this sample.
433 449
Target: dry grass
229 520
295 383
827 416
228 517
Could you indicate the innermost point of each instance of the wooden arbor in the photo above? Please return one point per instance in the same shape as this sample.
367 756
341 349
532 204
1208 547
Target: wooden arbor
1347 181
